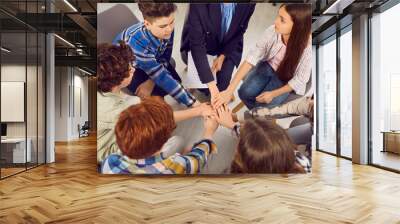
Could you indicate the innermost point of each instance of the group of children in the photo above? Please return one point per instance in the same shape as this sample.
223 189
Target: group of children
135 131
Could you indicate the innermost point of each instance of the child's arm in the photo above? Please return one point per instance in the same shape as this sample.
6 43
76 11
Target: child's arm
202 110
268 96
198 49
284 89
157 72
225 118
298 106
192 162
163 79
196 159
226 95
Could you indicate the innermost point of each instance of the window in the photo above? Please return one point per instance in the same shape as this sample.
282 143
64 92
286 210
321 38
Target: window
385 87
326 96
346 75
22 65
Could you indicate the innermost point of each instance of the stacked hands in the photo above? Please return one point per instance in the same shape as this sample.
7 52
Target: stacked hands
213 117
217 113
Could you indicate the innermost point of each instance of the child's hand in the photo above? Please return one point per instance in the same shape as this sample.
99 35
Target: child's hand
206 110
265 97
225 117
210 126
144 90
217 64
186 150
223 98
196 104
214 93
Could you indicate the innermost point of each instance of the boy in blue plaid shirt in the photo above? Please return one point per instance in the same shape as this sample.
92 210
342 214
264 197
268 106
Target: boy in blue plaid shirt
151 42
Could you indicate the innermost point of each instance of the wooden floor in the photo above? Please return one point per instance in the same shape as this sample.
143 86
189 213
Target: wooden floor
10 171
71 191
387 159
5 172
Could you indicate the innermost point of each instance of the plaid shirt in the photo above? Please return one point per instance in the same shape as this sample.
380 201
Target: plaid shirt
303 161
152 56
190 163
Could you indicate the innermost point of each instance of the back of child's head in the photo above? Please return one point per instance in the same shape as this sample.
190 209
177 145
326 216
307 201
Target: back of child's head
143 129
113 64
264 147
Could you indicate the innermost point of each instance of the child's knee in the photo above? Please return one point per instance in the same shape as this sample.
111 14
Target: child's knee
244 92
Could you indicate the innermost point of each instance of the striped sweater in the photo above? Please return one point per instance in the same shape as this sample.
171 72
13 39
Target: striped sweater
190 163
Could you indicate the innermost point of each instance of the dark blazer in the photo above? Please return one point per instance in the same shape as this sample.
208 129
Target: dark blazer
202 31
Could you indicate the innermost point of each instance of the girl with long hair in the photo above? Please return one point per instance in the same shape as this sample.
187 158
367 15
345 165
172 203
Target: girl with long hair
278 64
264 147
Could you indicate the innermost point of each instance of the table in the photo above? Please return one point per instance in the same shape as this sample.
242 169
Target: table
391 141
16 148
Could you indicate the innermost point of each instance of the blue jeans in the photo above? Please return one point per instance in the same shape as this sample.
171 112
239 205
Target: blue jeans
260 79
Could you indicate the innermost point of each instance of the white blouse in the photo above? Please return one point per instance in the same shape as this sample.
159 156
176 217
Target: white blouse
267 48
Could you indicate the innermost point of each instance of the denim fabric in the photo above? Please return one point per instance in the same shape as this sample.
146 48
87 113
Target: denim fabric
260 79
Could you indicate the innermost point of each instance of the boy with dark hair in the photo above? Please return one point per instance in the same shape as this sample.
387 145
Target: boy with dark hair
152 42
